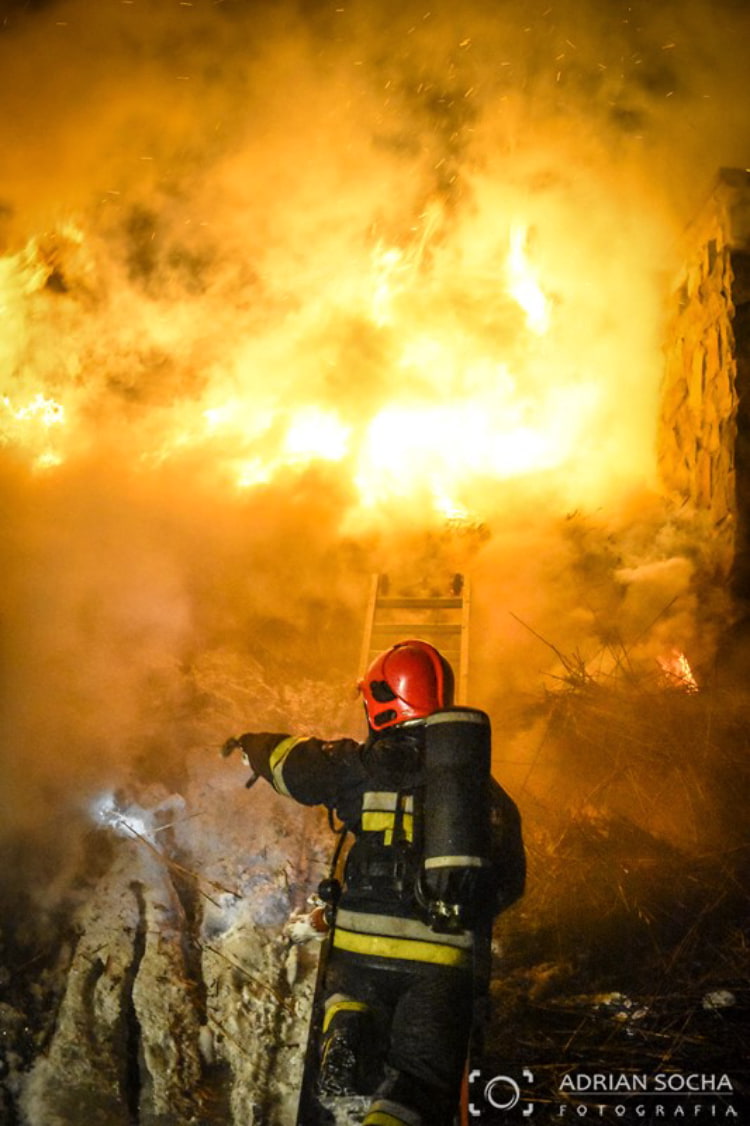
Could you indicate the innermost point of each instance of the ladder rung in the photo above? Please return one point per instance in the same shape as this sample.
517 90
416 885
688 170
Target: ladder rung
419 604
403 628
450 633
450 655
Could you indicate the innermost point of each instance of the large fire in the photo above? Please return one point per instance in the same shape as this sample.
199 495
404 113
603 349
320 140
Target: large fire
481 377
384 272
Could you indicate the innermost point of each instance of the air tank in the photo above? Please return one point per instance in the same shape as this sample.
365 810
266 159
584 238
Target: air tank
456 831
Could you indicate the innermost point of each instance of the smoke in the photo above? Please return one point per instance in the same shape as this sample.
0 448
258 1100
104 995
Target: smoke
159 100
192 197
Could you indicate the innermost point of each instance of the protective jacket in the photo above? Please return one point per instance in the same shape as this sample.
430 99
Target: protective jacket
378 790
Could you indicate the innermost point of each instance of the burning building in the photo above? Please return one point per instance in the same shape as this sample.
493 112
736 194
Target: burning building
295 294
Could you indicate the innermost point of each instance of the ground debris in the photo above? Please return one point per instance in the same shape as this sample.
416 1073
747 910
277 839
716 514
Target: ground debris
170 991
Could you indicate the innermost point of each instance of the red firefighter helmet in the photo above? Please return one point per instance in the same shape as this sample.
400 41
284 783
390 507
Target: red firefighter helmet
409 681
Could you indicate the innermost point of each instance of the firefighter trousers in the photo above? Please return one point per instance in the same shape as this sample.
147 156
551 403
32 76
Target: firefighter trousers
399 1032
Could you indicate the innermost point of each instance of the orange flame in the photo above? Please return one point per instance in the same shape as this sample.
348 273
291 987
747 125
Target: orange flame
476 382
677 671
523 284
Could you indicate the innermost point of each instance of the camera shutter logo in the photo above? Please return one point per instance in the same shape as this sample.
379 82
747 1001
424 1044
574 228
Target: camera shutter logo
501 1092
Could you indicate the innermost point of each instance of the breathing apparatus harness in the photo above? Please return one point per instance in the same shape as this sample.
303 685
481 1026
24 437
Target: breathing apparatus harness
442 763
329 888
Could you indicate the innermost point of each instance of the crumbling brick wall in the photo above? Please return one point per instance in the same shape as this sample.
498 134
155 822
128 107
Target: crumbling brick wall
704 435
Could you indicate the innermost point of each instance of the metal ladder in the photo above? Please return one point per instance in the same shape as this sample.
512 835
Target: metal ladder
438 614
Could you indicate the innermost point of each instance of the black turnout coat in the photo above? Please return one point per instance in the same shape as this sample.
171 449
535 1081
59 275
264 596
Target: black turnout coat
376 789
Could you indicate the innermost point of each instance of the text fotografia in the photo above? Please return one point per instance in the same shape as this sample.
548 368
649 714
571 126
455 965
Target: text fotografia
669 1094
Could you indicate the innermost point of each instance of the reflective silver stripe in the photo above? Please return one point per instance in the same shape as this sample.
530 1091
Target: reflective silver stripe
466 716
379 799
456 862
394 926
386 800
277 759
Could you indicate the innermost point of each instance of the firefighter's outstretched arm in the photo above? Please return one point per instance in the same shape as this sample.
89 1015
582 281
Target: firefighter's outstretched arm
309 770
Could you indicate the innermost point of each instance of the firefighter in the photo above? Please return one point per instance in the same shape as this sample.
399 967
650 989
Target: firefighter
437 854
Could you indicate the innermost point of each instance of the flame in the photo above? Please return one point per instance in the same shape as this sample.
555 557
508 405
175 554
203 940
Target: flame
314 433
677 671
388 263
28 426
252 471
463 395
437 450
523 284
47 411
309 433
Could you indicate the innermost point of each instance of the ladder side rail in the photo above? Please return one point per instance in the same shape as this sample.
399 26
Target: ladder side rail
463 664
365 651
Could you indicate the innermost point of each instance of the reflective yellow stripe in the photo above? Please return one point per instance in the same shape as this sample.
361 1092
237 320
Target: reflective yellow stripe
379 811
382 1118
409 949
345 1005
385 1112
397 926
278 758
378 821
